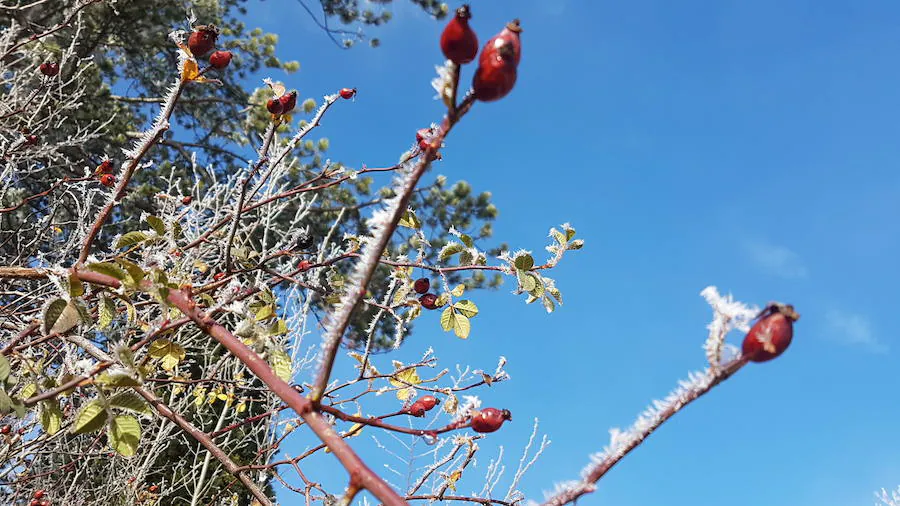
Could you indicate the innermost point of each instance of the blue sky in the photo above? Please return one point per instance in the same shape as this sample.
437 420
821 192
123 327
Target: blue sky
747 145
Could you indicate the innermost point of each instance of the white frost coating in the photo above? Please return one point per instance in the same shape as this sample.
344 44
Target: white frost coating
443 83
379 224
886 498
728 314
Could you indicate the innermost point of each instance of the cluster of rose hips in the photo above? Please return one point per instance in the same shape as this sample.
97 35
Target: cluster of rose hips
104 173
771 334
202 40
428 300
483 421
422 405
38 499
499 60
49 69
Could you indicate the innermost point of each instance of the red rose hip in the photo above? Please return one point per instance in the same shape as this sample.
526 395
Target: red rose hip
489 419
348 93
458 41
509 40
107 180
429 301
771 335
49 69
288 102
274 106
105 167
421 285
494 79
220 59
202 40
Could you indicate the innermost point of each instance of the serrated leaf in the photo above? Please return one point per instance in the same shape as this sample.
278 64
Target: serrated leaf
467 240
281 364
524 262
109 269
51 417
5 368
265 313
466 308
76 287
548 304
410 220
168 352
576 244
526 280
130 400
124 435
570 233
131 238
90 419
466 258
106 311
278 328
556 294
442 300
157 225
414 313
117 380
52 313
405 378
447 320
559 236
401 294
28 391
458 290
462 326
68 319
134 271
450 249
538 286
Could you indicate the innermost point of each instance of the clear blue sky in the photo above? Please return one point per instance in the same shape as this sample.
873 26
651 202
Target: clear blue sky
748 145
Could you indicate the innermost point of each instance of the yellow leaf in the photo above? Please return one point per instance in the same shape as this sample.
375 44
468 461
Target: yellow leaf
191 72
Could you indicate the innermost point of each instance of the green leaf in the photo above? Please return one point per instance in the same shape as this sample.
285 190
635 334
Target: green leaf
526 280
576 244
559 236
265 313
157 225
28 391
401 294
76 287
69 318
83 312
450 249
134 271
467 240
556 294
466 308
458 290
117 380
130 400
524 262
124 435
570 232
466 258
281 364
90 419
52 313
447 320
5 402
461 327
130 239
168 352
51 417
410 220
279 328
106 311
109 269
5 368
548 304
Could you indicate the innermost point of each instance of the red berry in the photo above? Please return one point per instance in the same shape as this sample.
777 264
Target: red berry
429 402
6 429
220 59
186 200
107 180
274 106
348 93
458 41
416 409
219 276
39 494
494 80
153 489
34 502
105 167
489 419
288 102
31 140
421 285
49 69
21 431
772 334
304 265
202 40
507 42
429 301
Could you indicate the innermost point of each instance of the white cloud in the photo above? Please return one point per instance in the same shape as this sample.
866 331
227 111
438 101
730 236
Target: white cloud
853 329
774 259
